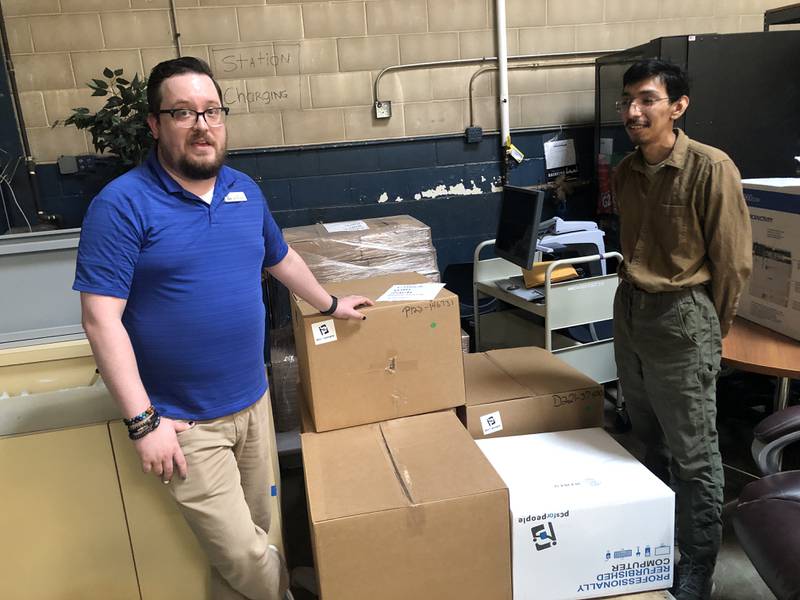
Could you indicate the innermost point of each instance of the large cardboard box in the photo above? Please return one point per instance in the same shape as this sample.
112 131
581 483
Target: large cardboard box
772 298
588 520
365 248
527 390
405 359
406 509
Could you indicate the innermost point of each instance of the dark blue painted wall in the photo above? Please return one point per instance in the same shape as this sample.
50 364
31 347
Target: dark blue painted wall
344 182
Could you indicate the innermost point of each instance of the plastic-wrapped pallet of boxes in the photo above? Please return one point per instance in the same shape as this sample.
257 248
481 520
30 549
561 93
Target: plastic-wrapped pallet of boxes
343 251
366 248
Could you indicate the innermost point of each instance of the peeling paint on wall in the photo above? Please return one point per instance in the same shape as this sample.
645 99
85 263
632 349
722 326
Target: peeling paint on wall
458 189
454 190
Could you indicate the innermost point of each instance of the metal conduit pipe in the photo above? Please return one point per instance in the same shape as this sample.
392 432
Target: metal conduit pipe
532 66
176 34
502 68
475 61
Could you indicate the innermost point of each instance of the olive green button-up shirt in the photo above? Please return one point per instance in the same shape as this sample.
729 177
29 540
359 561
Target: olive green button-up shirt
685 225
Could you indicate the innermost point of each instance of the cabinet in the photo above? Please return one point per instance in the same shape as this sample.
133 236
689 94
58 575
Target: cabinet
78 518
64 535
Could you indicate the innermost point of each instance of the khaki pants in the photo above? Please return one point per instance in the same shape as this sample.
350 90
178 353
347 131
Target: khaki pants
225 500
668 347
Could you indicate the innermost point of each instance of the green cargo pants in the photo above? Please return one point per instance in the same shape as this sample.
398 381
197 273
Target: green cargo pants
668 348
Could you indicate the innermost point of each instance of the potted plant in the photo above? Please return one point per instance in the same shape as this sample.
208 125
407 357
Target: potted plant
120 126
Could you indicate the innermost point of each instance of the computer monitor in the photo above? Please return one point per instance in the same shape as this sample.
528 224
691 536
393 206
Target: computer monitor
518 227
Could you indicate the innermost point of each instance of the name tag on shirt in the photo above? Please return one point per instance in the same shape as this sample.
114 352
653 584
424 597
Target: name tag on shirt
235 197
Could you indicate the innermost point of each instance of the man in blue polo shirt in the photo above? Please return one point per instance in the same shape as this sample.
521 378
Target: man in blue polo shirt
169 270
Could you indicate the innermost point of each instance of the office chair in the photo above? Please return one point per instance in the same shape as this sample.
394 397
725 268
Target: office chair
767 519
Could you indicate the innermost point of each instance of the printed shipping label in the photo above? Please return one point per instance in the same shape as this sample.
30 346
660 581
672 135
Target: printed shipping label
324 332
491 423
345 226
410 292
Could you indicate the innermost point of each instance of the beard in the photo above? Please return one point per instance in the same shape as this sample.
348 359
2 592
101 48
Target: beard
193 168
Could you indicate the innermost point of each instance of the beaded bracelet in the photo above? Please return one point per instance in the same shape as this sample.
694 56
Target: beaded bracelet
140 417
143 431
142 424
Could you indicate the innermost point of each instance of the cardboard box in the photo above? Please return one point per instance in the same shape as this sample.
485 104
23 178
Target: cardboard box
588 520
365 248
518 391
406 509
405 359
772 298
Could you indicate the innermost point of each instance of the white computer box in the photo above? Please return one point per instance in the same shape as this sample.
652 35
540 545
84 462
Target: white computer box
588 519
772 297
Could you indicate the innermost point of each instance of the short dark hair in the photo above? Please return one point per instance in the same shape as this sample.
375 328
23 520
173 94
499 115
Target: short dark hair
170 68
672 76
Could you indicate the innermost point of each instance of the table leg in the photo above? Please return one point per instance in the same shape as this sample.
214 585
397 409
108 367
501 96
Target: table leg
782 393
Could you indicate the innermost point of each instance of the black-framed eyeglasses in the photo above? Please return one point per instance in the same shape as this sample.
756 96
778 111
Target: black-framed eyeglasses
645 103
187 118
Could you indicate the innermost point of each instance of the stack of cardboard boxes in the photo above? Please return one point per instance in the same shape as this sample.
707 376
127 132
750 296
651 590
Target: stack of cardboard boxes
402 501
400 506
344 251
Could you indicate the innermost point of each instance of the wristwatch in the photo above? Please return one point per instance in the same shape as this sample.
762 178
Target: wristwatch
332 309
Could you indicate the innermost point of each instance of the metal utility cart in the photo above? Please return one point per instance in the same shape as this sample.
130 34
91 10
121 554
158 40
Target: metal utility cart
565 304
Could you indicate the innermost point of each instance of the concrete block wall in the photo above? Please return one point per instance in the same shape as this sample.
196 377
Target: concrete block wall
301 72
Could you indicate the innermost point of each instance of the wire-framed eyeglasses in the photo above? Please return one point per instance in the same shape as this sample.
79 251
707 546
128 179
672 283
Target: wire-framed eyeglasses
187 118
623 104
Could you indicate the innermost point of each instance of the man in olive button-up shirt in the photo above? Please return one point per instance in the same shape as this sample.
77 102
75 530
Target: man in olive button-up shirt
686 242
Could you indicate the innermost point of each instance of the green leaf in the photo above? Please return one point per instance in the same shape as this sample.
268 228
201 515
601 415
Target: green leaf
99 92
108 73
100 83
117 72
122 81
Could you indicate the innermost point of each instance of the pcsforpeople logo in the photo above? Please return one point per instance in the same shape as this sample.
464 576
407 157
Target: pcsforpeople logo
544 536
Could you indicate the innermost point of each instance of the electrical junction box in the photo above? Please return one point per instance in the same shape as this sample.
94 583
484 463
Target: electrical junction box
383 109
474 134
69 165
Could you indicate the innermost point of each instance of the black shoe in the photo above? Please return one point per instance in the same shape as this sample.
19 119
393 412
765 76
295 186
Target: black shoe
693 581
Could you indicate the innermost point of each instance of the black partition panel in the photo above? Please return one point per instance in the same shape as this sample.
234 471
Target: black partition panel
745 95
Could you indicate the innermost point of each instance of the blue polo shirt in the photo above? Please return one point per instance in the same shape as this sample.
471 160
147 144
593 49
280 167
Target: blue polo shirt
191 274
